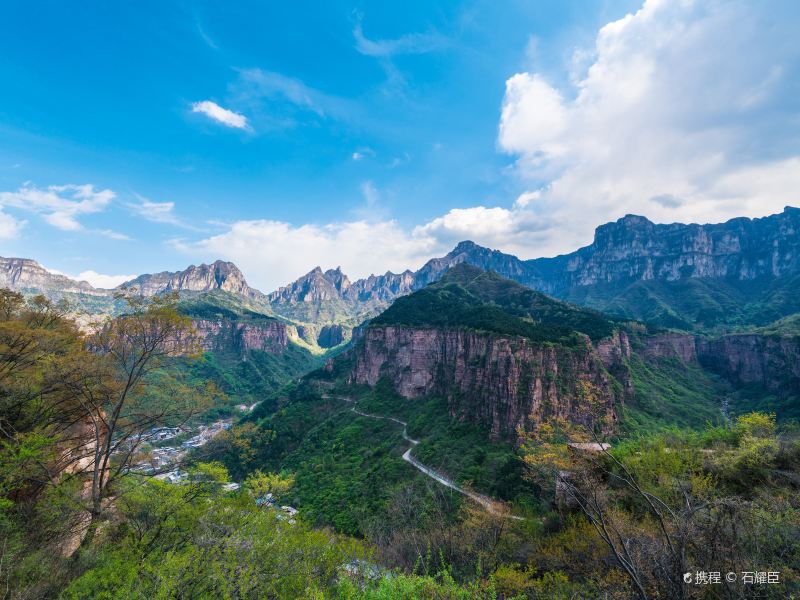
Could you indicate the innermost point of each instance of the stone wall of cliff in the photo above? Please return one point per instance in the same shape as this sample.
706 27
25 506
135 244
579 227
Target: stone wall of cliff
772 361
634 248
500 382
241 336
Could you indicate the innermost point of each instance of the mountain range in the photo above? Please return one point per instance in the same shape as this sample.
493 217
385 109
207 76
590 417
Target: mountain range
740 273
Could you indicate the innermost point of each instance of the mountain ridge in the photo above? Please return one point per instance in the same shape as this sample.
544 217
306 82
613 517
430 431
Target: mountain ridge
616 272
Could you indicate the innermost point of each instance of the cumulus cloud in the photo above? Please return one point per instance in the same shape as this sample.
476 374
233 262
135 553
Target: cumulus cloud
273 253
682 111
59 205
102 281
221 115
9 226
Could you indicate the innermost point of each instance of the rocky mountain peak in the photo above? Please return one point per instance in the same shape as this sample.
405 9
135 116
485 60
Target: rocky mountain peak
339 279
219 275
465 246
314 286
27 274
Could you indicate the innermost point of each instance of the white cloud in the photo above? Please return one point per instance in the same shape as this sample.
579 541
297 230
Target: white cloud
102 281
157 212
468 223
9 226
410 43
273 253
385 50
683 111
221 115
60 205
113 235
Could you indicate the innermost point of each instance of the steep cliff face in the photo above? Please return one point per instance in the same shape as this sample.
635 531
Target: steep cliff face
313 287
771 361
501 382
633 248
26 274
670 345
219 275
239 337
330 336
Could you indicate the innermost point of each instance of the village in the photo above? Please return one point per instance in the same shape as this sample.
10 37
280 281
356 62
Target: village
164 461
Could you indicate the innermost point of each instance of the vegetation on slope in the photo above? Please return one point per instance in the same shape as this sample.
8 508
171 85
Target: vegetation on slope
349 468
712 305
669 393
471 298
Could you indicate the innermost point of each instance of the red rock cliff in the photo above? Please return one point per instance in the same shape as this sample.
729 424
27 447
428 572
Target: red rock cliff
502 382
234 336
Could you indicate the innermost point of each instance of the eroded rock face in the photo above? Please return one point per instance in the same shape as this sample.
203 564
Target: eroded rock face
671 345
219 275
233 336
313 287
330 336
771 361
633 248
501 382
24 274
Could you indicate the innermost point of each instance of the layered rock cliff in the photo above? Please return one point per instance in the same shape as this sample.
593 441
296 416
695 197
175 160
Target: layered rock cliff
770 361
498 381
219 275
224 335
27 274
628 250
633 248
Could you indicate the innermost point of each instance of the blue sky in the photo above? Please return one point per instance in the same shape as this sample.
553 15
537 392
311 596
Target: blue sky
137 137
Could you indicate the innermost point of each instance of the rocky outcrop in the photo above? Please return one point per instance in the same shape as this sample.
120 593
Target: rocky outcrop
26 274
501 382
633 248
670 345
219 275
268 335
627 250
330 336
313 287
770 361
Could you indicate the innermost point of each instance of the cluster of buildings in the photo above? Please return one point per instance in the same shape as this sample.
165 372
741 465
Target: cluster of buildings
284 512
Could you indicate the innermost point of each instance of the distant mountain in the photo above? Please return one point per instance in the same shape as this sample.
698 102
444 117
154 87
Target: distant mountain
219 275
27 274
467 296
735 274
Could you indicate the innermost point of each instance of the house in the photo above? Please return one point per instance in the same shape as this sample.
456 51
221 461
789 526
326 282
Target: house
267 500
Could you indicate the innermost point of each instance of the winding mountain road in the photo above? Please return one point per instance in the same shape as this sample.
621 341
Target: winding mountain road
492 506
